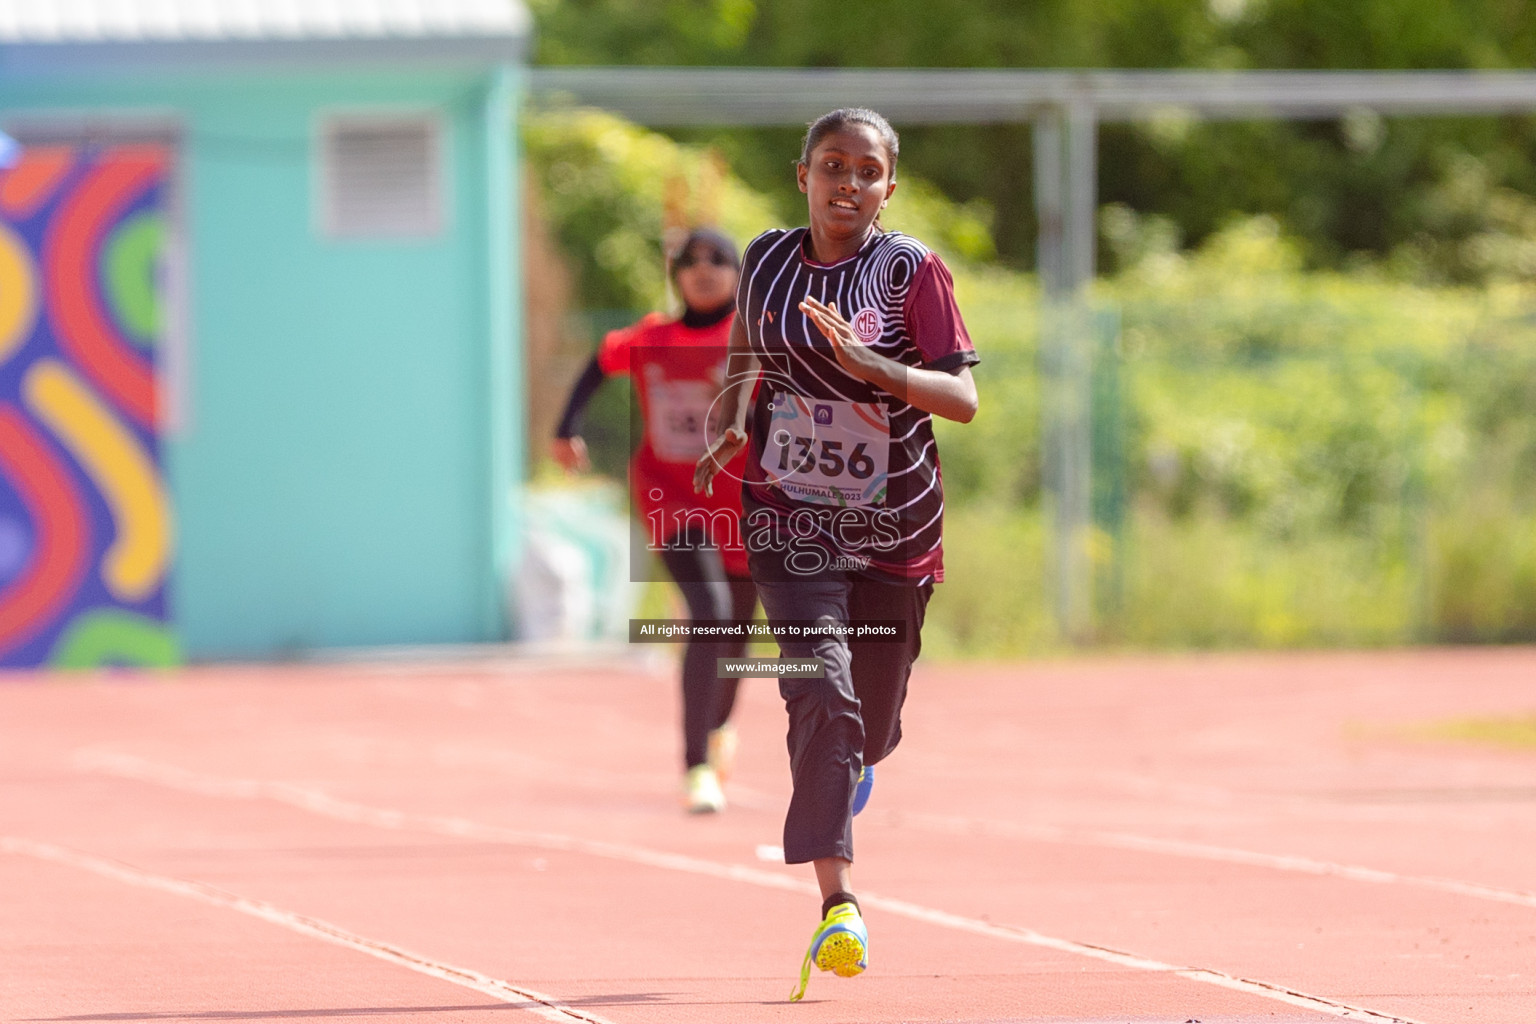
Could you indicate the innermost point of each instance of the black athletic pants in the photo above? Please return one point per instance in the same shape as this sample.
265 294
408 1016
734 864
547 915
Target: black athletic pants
711 593
850 718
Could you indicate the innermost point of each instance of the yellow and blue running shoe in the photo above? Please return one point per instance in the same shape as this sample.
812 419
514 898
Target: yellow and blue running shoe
840 945
862 790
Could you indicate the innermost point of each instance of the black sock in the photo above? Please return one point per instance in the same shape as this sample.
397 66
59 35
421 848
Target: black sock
839 897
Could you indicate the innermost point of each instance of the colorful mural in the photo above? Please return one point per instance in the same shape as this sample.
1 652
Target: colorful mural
85 524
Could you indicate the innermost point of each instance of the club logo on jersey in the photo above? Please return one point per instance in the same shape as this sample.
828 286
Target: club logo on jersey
866 325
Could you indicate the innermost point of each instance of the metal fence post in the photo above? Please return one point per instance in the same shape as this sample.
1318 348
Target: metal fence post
1065 201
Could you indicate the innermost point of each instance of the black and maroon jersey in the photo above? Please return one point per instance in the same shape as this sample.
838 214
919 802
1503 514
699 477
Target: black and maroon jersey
841 474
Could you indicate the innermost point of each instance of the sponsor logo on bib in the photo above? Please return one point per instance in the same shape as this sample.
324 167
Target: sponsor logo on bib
866 325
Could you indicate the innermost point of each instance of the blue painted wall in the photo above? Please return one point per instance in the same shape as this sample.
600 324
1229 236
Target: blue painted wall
350 433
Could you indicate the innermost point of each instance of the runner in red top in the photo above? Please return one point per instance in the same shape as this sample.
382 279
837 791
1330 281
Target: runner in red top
677 368
854 341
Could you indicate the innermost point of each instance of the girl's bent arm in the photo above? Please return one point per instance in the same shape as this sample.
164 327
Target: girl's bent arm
741 368
950 395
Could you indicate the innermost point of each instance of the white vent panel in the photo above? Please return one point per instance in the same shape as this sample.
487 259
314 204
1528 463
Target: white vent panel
381 178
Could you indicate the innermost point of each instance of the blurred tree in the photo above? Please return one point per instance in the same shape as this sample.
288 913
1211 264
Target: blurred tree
1358 188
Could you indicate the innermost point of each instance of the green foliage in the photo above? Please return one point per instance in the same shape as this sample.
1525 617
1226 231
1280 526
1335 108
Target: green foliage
958 232
601 181
1310 400
1472 229
1356 186
1218 581
1313 458
1482 571
1290 399
638 31
996 458
993 603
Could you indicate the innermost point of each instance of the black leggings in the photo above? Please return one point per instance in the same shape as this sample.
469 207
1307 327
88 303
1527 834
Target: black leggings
711 593
852 716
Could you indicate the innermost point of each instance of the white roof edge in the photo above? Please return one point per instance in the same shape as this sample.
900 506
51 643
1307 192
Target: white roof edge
33 60
88 22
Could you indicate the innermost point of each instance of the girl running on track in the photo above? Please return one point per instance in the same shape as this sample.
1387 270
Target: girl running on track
857 340
677 367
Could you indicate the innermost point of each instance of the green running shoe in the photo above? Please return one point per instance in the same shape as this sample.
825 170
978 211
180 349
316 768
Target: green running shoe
840 945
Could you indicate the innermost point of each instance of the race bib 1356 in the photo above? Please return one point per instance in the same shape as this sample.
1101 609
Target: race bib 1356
828 453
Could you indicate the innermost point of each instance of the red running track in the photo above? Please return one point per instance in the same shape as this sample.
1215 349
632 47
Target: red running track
1223 839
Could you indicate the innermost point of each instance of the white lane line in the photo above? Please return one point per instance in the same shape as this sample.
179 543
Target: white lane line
127 766
958 826
1204 975
545 1006
317 802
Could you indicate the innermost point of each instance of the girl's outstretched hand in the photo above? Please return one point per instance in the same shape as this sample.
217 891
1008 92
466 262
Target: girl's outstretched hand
852 354
725 448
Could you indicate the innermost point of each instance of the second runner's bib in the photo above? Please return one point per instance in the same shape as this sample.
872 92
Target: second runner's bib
679 411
